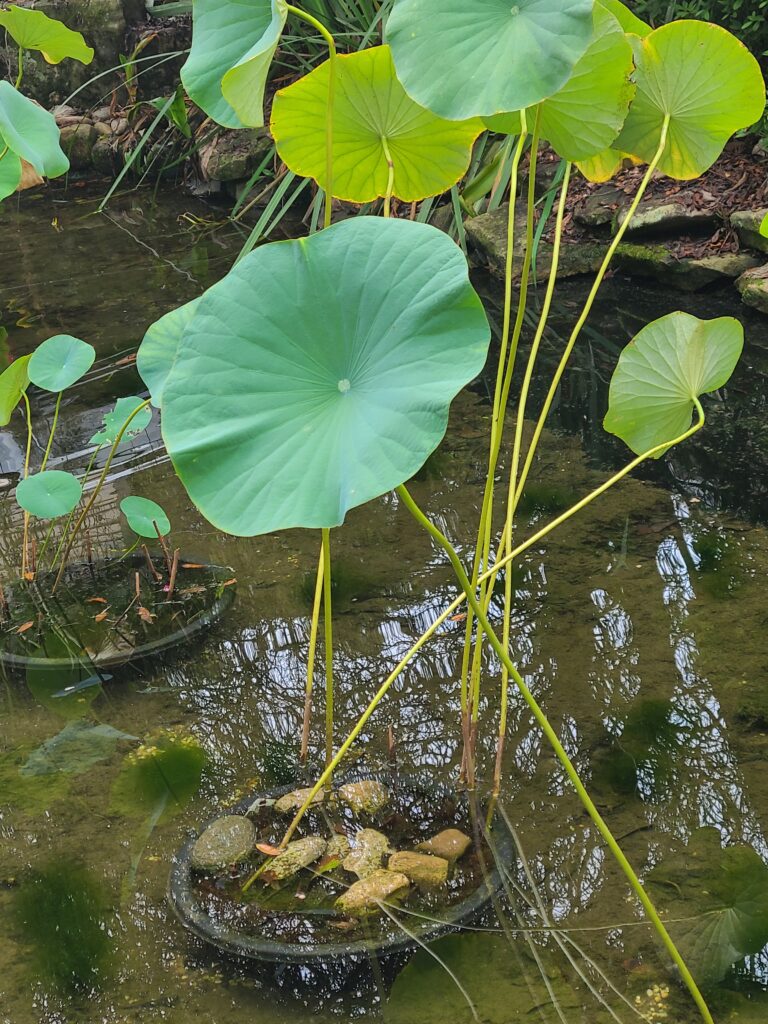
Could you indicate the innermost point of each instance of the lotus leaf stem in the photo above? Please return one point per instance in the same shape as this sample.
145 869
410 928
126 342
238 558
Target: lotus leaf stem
21 68
390 177
316 604
328 627
53 431
27 457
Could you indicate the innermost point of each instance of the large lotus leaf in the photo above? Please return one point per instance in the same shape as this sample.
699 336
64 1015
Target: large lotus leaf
115 420
628 21
233 42
474 58
163 774
10 171
708 83
584 117
158 349
145 517
33 30
370 109
318 374
31 132
60 361
50 494
718 900
14 381
74 750
669 363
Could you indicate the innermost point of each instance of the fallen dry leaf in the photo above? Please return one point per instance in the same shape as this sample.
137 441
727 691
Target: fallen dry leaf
101 616
230 583
146 615
97 600
192 565
193 590
25 627
459 618
268 850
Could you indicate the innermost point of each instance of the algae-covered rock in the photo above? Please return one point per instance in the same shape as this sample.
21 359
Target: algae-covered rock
365 896
234 155
337 848
370 848
746 224
662 219
297 855
77 142
423 869
449 844
227 841
295 799
364 797
688 274
753 288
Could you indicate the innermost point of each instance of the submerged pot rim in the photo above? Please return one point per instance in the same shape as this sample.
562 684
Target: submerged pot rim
205 620
189 913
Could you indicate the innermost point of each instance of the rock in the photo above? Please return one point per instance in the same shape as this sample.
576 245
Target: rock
663 219
297 855
102 128
746 224
423 869
760 151
337 848
234 155
226 841
364 797
365 896
295 799
449 844
753 288
119 125
369 850
77 141
102 114
64 114
104 157
689 273
599 208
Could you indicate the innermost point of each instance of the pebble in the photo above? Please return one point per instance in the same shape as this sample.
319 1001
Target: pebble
226 841
364 896
422 869
369 849
295 799
297 855
449 844
364 797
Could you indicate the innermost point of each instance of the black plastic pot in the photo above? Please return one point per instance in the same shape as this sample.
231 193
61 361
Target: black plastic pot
201 622
340 954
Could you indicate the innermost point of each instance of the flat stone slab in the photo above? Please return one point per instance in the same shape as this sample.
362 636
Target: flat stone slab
226 841
370 848
365 896
423 869
449 844
689 274
664 219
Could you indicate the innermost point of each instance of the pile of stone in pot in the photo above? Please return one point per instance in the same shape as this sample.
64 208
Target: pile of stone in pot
383 874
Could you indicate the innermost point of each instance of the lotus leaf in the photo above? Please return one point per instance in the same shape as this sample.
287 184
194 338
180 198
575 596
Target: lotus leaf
158 349
50 494
10 171
669 363
371 111
142 515
498 55
161 776
709 85
33 30
318 374
115 420
74 750
31 132
60 361
233 42
628 21
14 381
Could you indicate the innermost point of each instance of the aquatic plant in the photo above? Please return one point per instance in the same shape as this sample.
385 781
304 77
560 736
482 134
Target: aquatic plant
318 374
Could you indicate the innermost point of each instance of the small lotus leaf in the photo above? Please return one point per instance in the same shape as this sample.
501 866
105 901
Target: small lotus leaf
10 171
158 349
628 21
31 132
708 83
115 420
370 109
50 494
233 42
74 750
318 374
33 30
14 381
60 361
669 363
475 58
142 514
162 775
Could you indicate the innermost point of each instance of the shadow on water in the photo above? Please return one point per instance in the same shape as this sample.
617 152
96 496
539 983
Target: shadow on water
639 627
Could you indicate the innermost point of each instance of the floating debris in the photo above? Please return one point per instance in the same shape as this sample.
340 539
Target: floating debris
227 841
365 896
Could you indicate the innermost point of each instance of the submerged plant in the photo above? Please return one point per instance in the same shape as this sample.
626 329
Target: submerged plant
318 374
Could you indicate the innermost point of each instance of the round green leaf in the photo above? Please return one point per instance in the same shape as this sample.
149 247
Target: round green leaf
318 374
474 58
33 30
60 361
158 349
115 420
628 21
10 172
708 83
370 109
142 514
50 494
13 383
31 132
669 363
233 42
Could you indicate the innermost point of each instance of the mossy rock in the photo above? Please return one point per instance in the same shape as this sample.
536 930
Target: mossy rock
753 288
688 274
746 224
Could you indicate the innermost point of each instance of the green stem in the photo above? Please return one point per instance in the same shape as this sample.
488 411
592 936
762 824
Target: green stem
328 627
390 177
560 751
311 654
318 25
53 431
96 491
588 308
27 457
21 68
86 475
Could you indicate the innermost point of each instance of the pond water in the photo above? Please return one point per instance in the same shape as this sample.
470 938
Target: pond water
640 627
